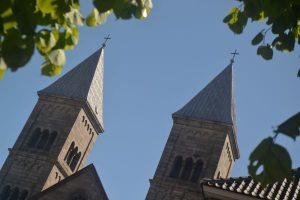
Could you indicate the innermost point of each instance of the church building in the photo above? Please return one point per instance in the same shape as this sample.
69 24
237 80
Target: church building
47 161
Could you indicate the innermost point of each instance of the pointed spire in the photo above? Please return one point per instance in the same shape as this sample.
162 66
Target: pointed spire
84 83
215 102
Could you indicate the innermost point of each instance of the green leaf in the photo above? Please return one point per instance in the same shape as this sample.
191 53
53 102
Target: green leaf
265 51
290 127
8 19
238 20
234 15
95 18
274 160
24 11
296 31
50 69
46 6
2 68
227 18
124 9
17 49
57 57
104 5
71 38
74 17
258 38
253 9
75 4
45 40
285 42
143 9
279 25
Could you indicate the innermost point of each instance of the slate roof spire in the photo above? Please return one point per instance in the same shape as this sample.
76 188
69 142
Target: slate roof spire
214 103
84 83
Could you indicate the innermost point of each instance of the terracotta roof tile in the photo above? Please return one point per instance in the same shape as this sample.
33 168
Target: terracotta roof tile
285 190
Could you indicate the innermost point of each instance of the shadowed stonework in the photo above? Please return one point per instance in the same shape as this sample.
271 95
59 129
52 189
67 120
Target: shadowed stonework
202 143
47 160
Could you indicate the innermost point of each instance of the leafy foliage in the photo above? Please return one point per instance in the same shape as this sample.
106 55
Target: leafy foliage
290 127
281 17
273 158
51 27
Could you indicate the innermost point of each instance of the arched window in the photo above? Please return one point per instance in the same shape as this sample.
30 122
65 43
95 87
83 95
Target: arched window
71 155
23 195
177 164
197 171
34 137
15 194
75 161
5 193
70 149
50 141
187 169
83 118
43 140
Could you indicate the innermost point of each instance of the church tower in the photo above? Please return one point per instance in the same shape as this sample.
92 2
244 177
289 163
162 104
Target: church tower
202 143
59 133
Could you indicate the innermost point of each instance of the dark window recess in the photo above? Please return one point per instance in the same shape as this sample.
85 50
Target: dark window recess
219 176
73 156
15 194
43 140
75 161
197 171
34 138
187 170
177 165
51 141
5 193
69 151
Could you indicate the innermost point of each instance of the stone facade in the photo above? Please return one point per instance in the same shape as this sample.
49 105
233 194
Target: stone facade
202 143
47 160
57 138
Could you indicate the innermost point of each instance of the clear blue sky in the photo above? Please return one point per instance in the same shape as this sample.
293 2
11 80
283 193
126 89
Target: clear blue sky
152 68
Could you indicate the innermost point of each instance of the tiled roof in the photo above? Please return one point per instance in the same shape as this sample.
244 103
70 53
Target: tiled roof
285 190
83 83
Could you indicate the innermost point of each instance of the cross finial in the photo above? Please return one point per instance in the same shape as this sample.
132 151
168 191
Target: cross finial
105 41
234 54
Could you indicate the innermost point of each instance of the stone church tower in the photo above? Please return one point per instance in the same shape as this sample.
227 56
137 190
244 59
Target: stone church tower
47 159
202 143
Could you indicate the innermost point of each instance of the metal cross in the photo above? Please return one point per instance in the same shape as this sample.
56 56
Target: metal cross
234 54
105 41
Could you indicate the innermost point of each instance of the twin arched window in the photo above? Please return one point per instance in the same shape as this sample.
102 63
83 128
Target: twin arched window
42 139
13 194
73 156
186 170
